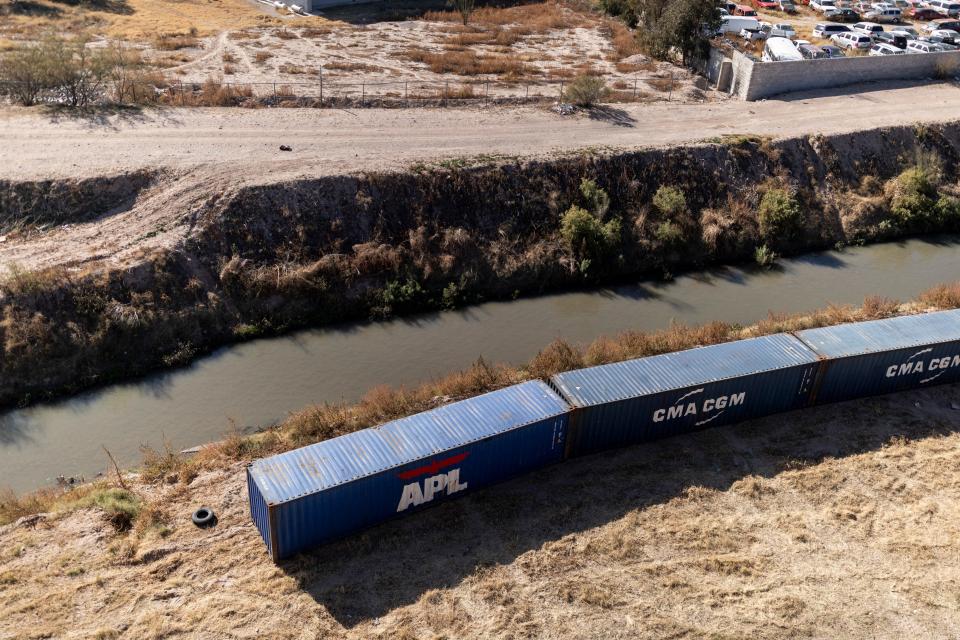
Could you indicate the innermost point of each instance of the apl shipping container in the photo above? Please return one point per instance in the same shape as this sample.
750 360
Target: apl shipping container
629 402
880 356
308 496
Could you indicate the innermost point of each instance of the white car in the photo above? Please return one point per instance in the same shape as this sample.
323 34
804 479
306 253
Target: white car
884 49
868 28
827 29
852 40
821 5
946 34
904 30
783 30
945 7
919 46
884 15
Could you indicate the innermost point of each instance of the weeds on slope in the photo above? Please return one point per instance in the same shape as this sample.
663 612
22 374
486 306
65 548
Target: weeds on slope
382 404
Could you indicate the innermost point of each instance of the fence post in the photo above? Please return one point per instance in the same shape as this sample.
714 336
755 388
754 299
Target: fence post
526 90
561 91
321 86
363 93
274 92
634 86
670 95
446 92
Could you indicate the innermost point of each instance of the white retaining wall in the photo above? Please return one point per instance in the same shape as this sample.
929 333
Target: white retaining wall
755 80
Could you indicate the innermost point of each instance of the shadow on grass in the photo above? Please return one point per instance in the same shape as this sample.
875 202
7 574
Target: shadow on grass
394 564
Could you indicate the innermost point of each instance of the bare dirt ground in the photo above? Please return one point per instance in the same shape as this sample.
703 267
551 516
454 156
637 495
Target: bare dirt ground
837 522
519 52
204 152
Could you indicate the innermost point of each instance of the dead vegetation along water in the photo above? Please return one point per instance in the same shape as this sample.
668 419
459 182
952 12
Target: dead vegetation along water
383 404
260 259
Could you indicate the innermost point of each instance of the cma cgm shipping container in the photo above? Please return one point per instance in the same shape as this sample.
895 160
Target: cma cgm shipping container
327 490
880 356
628 402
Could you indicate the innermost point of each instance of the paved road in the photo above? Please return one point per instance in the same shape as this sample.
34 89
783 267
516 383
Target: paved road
34 144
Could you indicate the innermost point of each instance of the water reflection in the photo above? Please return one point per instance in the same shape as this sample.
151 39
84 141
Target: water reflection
259 382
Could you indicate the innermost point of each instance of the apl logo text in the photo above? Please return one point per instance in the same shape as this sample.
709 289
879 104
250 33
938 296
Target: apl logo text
915 364
687 405
447 482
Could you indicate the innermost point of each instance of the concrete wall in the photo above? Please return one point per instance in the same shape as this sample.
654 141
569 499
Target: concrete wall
771 78
728 72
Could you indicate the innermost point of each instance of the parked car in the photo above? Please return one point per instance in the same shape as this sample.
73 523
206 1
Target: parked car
884 49
826 29
922 46
906 30
735 24
946 35
783 30
897 40
766 4
832 51
821 5
844 15
943 23
922 13
851 40
946 45
744 10
762 32
811 52
787 6
885 15
723 12
780 50
945 7
868 28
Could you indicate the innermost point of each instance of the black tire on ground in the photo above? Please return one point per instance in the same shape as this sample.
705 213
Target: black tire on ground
204 517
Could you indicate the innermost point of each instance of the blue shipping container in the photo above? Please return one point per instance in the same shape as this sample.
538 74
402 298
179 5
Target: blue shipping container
629 402
880 356
308 496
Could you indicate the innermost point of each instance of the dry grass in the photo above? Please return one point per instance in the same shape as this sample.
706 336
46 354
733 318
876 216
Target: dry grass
728 531
467 63
176 41
139 19
538 17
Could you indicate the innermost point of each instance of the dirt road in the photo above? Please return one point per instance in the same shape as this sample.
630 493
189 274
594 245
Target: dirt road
39 145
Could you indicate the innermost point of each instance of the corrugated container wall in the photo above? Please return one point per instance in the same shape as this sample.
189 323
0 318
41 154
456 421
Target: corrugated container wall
628 402
880 356
308 496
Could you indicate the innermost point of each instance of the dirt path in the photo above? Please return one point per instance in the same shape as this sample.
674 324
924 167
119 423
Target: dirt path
37 145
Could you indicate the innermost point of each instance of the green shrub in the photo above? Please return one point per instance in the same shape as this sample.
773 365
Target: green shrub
669 234
913 197
670 201
121 506
596 198
948 213
626 10
764 256
586 91
585 235
780 215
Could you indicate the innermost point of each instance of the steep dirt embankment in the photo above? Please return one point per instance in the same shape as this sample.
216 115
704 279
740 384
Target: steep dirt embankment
200 259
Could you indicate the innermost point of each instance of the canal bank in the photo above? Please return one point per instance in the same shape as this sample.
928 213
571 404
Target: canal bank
260 382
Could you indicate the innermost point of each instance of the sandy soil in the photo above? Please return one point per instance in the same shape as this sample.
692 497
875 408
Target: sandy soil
376 56
838 522
206 152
